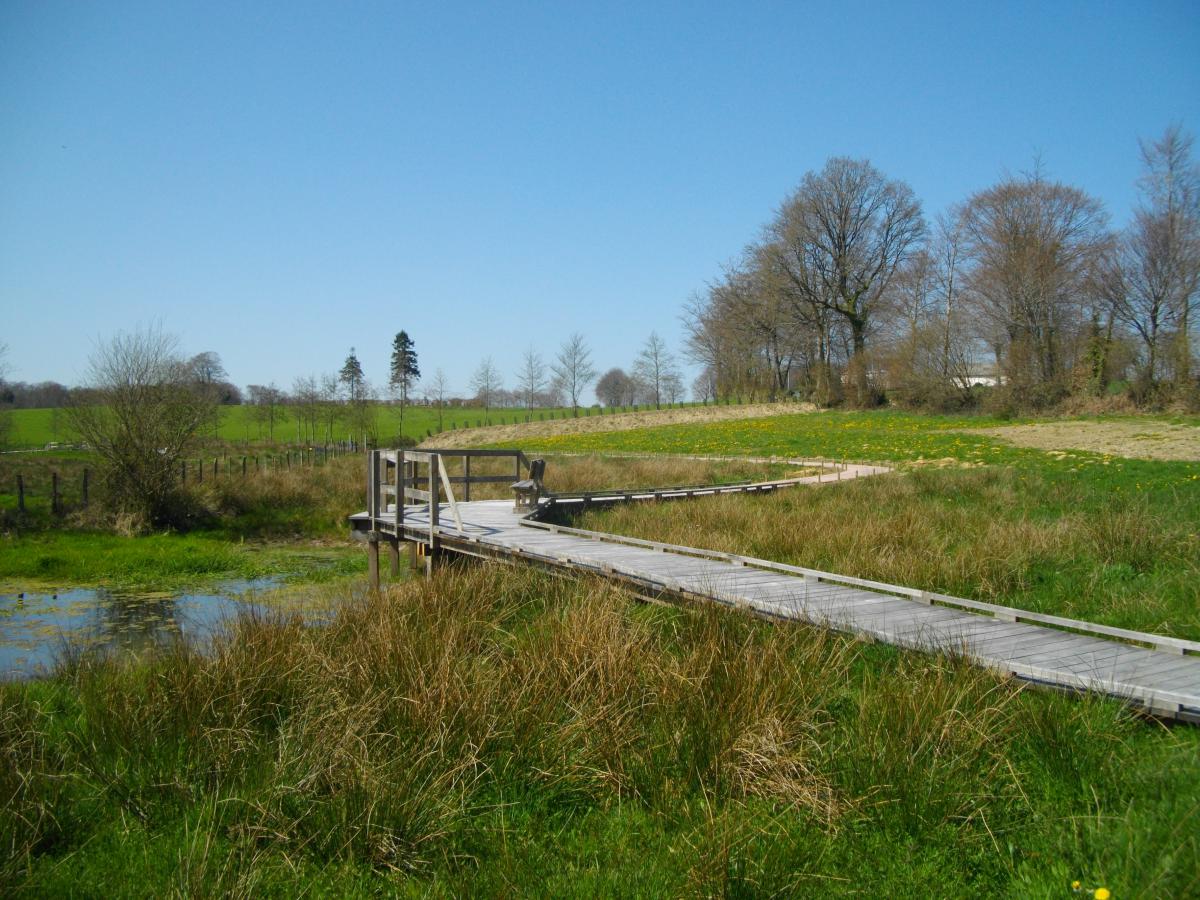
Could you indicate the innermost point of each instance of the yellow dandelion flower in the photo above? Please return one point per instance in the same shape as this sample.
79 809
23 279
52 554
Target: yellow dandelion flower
1076 885
1101 893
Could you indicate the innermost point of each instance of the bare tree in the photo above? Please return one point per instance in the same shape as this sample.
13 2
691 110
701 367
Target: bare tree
1032 245
531 379
330 411
839 240
1154 278
573 370
306 399
614 388
485 383
141 413
265 402
947 253
653 368
210 374
435 394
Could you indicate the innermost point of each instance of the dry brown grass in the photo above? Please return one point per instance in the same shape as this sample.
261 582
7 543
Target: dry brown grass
1135 439
531 431
970 532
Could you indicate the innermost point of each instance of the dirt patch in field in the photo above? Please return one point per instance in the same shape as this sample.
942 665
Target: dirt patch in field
474 437
1132 439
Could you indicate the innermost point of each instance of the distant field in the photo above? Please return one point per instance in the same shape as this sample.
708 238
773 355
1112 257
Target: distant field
34 428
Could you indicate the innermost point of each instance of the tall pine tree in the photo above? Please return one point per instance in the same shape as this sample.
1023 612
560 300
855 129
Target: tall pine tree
356 395
405 372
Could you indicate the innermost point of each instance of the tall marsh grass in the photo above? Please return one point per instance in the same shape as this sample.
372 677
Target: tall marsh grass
497 730
994 534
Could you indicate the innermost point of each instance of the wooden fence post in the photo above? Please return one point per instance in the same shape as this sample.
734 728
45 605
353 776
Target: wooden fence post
20 493
433 513
85 488
199 471
55 505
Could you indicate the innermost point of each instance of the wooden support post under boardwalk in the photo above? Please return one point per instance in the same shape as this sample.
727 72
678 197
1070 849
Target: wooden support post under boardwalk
394 555
373 560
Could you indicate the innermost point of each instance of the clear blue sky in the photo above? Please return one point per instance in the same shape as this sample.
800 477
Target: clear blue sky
280 182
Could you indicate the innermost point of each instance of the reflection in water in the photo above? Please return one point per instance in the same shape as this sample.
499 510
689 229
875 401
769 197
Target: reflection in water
36 628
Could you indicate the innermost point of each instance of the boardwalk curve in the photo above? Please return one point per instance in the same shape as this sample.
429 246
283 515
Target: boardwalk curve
1156 673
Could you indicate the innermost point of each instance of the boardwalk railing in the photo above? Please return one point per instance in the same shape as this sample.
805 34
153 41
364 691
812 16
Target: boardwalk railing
399 478
1159 642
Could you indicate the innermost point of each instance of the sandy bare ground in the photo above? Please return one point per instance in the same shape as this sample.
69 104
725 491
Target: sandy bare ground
1146 439
474 437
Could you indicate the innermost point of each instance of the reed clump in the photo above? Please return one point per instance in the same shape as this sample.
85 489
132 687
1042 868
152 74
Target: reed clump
496 726
994 534
302 500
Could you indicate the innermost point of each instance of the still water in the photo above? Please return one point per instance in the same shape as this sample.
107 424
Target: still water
36 628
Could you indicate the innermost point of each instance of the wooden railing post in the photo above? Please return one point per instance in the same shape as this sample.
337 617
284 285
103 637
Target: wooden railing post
433 497
401 486
373 486
433 514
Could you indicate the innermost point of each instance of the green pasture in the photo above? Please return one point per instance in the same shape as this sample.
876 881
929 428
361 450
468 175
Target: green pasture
35 428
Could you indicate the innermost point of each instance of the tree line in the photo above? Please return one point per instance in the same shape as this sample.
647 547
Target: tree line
851 296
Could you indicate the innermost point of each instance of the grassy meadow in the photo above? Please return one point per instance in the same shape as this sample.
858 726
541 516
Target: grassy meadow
1087 535
35 428
498 731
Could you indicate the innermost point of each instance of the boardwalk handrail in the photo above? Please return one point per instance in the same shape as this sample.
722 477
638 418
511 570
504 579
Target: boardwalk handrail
403 487
467 454
1003 613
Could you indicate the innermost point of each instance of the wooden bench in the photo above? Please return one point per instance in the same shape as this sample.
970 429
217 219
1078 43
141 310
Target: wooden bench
527 491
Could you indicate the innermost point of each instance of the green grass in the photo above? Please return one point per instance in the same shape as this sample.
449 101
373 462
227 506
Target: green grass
161 562
35 428
496 731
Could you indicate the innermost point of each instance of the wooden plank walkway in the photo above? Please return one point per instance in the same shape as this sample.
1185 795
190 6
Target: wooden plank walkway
1163 679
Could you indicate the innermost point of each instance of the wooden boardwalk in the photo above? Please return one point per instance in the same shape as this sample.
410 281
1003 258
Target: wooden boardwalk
1156 673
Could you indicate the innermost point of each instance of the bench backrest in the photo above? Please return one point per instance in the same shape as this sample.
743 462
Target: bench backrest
537 468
